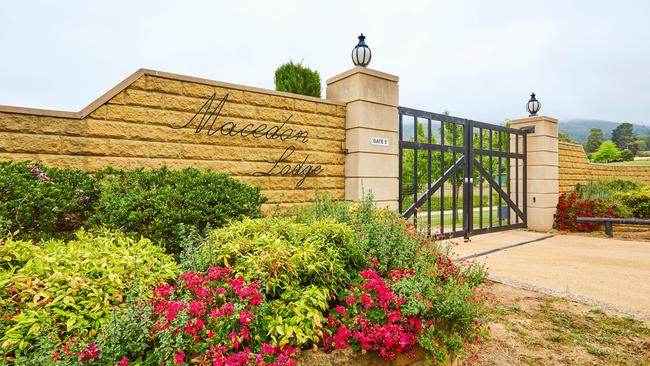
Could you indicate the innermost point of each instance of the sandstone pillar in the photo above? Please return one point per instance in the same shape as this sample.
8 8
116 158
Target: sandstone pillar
543 172
371 163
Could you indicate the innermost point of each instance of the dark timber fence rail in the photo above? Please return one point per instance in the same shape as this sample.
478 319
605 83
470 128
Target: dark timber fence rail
460 177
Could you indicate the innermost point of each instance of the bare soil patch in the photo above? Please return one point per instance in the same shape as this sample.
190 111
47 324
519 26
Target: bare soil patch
530 328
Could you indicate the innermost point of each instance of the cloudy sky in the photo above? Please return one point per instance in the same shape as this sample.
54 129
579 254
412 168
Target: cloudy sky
476 59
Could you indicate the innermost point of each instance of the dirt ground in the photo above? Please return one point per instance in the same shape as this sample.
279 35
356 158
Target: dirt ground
530 328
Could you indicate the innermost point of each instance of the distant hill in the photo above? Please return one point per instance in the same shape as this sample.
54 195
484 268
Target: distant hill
579 129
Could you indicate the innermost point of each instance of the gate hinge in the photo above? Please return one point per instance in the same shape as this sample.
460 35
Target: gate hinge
528 129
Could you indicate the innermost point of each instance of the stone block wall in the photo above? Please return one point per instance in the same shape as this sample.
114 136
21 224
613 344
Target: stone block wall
131 127
575 168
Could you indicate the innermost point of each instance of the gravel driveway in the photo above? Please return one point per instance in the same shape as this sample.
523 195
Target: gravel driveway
609 273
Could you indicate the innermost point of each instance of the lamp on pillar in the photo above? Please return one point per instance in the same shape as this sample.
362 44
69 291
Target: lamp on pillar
361 54
533 106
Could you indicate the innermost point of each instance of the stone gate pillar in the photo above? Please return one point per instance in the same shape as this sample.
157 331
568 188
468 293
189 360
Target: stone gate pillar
543 172
371 163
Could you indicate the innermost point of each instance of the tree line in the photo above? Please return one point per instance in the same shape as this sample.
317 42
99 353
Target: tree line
623 146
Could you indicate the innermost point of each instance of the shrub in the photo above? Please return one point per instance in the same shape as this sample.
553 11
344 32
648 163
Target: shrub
71 286
571 206
638 202
381 234
372 318
295 78
256 289
378 313
416 269
41 202
205 318
160 204
300 268
605 190
210 317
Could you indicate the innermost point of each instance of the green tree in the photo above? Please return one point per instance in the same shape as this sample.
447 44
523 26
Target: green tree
451 135
295 78
623 136
636 145
606 152
627 155
646 139
565 137
594 140
408 166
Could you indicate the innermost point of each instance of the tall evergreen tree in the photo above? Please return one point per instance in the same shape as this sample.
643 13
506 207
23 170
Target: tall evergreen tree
623 136
594 140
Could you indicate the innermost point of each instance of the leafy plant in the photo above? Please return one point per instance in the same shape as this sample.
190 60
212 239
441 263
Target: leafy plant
638 202
606 189
210 317
297 317
284 255
300 268
160 204
70 287
40 202
295 78
417 270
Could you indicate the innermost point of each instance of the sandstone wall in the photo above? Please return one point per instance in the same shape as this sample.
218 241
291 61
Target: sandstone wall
130 127
575 168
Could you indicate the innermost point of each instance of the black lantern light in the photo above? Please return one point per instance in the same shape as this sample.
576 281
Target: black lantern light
361 54
533 106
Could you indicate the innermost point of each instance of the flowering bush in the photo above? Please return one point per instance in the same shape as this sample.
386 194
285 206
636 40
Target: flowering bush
572 206
258 291
39 202
301 268
208 318
372 319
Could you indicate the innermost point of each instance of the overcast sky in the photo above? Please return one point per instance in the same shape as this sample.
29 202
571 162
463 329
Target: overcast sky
476 59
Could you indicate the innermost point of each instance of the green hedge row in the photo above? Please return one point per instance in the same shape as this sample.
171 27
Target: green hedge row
37 202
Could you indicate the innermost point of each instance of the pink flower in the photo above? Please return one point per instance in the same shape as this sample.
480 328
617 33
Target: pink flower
366 301
179 358
245 316
267 349
340 309
124 362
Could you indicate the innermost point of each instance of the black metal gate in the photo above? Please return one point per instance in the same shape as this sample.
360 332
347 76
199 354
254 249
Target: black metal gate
460 177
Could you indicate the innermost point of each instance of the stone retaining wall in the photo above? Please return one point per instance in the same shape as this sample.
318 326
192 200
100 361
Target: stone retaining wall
262 137
575 168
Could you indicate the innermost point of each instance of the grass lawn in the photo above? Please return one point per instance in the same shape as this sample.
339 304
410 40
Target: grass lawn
642 162
530 328
448 217
435 200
